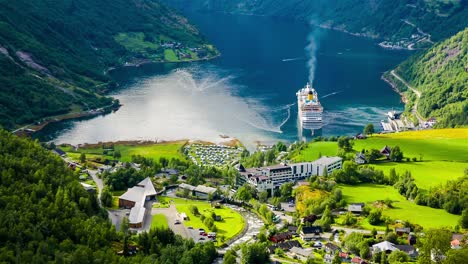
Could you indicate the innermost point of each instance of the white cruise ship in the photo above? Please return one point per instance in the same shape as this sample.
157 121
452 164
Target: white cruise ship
310 109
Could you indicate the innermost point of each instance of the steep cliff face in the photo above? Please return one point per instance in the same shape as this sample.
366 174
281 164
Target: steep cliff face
440 75
387 19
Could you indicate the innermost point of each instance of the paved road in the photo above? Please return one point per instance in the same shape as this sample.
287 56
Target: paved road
171 215
98 182
418 94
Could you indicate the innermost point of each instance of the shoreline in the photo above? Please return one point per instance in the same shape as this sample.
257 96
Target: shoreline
394 88
232 142
36 126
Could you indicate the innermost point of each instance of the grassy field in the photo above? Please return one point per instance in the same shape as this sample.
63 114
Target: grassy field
159 220
403 209
232 224
444 153
135 42
155 150
169 55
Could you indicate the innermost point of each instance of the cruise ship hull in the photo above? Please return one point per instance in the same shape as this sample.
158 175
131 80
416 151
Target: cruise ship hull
309 108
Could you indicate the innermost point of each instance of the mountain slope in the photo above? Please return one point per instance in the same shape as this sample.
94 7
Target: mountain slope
440 74
387 19
46 214
54 53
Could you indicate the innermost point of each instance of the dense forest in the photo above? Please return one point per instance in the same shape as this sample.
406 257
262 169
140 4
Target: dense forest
378 18
54 54
48 217
440 74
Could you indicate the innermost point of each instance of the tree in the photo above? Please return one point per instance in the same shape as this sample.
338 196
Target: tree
106 197
369 129
117 154
83 158
456 256
245 193
396 154
391 237
286 189
326 220
373 155
464 218
435 242
374 217
280 146
345 143
263 196
194 210
255 253
352 241
230 257
364 250
349 219
398 256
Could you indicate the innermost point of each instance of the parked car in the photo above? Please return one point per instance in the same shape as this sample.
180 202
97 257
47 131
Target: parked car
201 238
318 244
190 227
177 221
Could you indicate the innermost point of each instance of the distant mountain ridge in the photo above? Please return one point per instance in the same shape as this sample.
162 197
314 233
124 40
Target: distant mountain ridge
386 19
440 74
54 54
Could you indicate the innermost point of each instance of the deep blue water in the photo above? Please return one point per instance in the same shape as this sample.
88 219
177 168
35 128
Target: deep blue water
248 92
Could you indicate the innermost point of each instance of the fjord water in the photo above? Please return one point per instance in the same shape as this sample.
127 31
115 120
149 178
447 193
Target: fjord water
249 91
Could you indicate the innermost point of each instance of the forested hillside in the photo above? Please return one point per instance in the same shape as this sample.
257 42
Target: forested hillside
377 18
46 216
441 75
54 54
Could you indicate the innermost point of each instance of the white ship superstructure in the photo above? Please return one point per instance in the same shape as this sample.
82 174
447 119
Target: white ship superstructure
310 109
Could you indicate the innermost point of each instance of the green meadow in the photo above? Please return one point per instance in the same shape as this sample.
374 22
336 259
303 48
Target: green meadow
159 220
444 153
155 151
403 209
232 224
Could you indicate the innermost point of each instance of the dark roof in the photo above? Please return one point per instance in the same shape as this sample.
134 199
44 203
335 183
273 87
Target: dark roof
386 149
310 218
292 228
406 248
241 168
59 152
281 236
311 229
331 246
287 245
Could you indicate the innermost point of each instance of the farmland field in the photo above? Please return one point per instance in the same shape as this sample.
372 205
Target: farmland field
403 210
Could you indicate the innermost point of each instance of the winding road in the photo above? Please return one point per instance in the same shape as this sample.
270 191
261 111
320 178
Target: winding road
418 94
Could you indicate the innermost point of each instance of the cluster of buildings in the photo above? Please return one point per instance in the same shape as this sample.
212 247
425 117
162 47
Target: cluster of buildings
271 177
396 123
215 155
201 191
135 199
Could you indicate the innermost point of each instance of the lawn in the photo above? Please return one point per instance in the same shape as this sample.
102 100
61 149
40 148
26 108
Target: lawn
427 173
167 150
135 41
159 220
233 223
313 151
403 210
169 55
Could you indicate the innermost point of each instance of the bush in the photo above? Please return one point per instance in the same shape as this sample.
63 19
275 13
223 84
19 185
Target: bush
194 210
375 217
